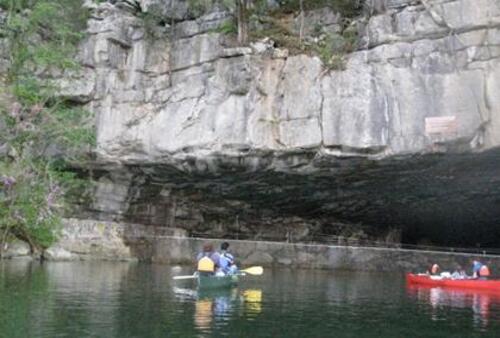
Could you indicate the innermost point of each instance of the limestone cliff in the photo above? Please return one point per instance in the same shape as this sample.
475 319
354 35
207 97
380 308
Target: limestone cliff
195 132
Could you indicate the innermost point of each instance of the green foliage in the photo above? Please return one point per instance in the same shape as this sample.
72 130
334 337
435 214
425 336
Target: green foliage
42 34
28 90
333 48
28 204
15 5
151 20
228 27
34 187
198 7
270 24
348 8
282 37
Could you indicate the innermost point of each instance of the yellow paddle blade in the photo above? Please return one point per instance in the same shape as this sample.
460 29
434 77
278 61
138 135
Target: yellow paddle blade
254 270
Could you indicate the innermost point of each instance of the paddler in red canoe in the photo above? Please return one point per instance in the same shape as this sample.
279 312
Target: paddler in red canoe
434 270
479 270
459 273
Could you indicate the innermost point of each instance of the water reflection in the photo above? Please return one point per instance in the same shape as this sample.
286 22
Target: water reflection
203 314
214 308
480 302
253 302
99 299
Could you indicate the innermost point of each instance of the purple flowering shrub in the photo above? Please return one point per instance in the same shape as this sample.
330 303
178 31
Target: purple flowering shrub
41 136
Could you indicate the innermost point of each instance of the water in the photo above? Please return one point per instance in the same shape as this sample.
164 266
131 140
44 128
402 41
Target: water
97 299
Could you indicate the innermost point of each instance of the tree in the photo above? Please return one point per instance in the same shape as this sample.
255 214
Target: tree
301 29
242 19
36 123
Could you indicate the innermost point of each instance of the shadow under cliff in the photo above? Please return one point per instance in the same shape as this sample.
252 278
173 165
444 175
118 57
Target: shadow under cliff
443 199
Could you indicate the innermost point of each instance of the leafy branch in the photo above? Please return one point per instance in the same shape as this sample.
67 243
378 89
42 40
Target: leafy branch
42 133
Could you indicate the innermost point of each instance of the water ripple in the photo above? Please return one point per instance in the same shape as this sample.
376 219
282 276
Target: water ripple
139 300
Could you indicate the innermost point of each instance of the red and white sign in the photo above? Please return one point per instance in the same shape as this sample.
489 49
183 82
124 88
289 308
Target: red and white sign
441 125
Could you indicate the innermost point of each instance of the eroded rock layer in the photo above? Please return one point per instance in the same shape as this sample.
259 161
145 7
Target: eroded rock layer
196 133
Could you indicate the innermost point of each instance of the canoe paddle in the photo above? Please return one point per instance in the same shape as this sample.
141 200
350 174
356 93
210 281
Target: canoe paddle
185 277
253 270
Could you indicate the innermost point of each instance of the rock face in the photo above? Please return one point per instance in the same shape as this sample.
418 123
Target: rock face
16 249
162 100
90 239
196 133
174 248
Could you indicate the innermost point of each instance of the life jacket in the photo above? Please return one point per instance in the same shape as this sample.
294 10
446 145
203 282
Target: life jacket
229 257
484 271
476 267
225 260
205 264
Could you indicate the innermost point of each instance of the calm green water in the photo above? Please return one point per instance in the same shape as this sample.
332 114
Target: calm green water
140 300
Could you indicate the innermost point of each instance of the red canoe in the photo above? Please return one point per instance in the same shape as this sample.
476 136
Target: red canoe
422 279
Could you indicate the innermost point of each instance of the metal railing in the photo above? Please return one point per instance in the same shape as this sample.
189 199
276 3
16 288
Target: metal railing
325 239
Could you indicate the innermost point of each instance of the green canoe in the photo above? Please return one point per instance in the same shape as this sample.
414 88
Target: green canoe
216 282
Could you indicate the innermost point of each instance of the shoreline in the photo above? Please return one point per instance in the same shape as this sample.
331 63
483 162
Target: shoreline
91 240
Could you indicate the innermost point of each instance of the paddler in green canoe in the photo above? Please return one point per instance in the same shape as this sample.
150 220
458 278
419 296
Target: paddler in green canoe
226 260
208 260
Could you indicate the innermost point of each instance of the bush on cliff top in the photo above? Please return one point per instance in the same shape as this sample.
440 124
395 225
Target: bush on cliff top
348 8
277 24
331 48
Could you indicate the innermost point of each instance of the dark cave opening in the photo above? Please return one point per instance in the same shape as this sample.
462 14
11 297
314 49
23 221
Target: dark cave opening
447 200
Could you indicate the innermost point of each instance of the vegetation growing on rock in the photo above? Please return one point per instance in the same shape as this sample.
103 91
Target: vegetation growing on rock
274 22
257 19
38 127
